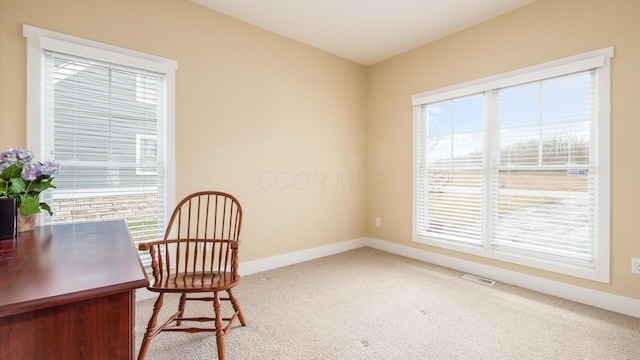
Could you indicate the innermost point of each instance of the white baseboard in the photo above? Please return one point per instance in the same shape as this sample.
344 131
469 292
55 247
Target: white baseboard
600 299
256 266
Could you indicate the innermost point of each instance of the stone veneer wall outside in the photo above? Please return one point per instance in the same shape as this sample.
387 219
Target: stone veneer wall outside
139 210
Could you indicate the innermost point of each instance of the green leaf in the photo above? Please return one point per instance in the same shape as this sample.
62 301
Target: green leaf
11 171
29 206
17 185
47 208
38 186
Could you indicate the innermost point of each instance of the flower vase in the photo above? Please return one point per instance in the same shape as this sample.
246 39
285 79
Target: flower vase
26 223
8 218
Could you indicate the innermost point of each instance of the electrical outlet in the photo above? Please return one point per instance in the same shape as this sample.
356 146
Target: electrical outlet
635 266
377 222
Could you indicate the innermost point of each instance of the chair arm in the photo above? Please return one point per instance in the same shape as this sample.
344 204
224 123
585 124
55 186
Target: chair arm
146 245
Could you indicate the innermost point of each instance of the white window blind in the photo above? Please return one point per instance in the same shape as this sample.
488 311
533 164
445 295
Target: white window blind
515 167
106 114
102 122
543 198
451 168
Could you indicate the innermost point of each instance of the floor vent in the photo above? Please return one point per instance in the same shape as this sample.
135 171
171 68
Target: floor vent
478 279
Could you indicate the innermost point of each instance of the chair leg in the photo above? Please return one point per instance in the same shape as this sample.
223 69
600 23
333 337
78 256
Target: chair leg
219 329
150 327
183 300
236 307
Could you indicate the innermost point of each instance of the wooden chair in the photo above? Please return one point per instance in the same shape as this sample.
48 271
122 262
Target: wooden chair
199 255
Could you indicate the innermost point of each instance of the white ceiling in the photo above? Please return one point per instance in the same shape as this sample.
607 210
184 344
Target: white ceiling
364 31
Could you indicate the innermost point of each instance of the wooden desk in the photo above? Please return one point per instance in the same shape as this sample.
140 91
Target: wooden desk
68 292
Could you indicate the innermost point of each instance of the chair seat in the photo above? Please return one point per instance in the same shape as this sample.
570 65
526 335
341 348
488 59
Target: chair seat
195 282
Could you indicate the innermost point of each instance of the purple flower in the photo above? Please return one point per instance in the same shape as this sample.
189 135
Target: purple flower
50 168
31 171
36 175
13 155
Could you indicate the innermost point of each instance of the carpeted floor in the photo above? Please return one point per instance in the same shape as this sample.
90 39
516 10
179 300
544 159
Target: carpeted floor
368 304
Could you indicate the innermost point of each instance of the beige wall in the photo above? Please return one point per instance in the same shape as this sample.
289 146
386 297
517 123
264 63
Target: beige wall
279 124
293 131
543 31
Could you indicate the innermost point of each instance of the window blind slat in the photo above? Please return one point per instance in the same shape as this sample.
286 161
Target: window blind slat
104 125
451 160
541 208
525 176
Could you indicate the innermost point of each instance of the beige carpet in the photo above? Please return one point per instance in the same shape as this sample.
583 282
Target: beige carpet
367 304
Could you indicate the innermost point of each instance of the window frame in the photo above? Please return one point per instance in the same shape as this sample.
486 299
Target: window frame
140 156
599 60
39 39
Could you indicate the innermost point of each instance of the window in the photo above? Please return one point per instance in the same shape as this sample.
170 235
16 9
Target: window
146 154
106 115
515 167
